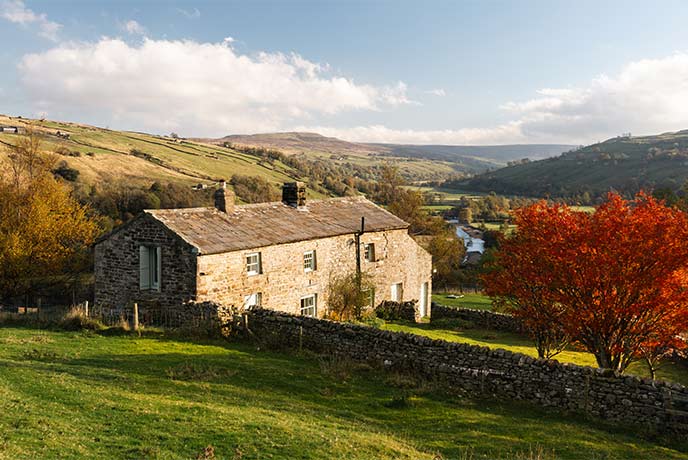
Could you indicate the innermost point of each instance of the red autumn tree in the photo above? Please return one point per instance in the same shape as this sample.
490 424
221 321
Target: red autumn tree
614 281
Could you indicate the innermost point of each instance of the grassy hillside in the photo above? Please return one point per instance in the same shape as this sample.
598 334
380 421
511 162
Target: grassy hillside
315 146
80 395
103 155
421 160
624 164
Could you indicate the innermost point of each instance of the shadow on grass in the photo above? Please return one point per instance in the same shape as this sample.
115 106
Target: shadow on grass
296 385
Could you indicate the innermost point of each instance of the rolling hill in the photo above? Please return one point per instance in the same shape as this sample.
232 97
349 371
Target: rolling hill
137 159
460 158
622 164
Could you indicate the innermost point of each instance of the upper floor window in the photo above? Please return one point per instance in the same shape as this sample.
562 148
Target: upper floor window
309 305
369 250
149 267
309 261
253 264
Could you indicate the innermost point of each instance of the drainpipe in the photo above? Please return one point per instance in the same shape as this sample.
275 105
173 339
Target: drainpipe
357 237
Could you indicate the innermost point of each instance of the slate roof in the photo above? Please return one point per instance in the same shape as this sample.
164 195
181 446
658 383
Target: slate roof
266 224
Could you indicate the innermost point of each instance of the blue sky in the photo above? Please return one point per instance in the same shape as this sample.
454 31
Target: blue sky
475 72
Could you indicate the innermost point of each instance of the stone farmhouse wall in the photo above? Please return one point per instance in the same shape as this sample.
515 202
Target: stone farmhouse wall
659 406
117 268
188 277
283 282
480 318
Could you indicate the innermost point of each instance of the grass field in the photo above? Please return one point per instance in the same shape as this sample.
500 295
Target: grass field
105 156
476 301
78 395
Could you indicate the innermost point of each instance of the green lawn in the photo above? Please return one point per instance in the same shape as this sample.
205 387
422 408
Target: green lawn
521 344
475 301
81 395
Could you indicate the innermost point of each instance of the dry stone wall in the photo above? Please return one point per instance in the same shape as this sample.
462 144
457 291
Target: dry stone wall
657 405
479 318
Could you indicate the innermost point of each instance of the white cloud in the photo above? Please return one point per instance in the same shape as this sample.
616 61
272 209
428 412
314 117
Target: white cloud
437 92
210 89
504 134
192 14
193 88
647 96
132 27
16 12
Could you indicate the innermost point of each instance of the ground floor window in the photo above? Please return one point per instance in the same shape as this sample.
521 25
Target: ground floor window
149 267
253 300
309 305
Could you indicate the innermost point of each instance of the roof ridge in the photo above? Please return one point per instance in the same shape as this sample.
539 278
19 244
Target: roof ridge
260 205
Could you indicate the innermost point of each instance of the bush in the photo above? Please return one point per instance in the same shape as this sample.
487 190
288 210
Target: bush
77 320
67 173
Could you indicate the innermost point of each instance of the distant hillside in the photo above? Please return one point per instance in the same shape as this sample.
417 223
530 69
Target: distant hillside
462 159
107 156
623 164
496 153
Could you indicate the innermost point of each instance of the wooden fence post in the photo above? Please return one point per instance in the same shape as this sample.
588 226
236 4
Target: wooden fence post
86 307
135 320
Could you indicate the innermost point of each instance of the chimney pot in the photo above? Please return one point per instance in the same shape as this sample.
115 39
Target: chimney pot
294 194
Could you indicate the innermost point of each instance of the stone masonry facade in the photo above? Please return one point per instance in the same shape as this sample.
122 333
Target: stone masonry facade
117 268
654 405
188 277
283 282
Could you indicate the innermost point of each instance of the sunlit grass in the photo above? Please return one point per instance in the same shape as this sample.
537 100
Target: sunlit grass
75 395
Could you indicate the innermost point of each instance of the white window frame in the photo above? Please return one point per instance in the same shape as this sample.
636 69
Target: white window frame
369 252
253 300
254 268
311 309
312 265
150 267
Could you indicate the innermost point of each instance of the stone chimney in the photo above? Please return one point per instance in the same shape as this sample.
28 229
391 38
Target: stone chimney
294 194
224 199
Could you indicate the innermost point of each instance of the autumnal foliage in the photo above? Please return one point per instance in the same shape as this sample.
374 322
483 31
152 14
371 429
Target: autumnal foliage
614 281
44 232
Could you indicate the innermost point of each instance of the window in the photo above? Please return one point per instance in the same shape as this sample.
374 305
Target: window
371 297
369 252
309 262
309 305
253 265
149 267
253 300
397 292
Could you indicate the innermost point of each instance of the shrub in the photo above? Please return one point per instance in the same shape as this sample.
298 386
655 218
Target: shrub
65 172
349 295
77 320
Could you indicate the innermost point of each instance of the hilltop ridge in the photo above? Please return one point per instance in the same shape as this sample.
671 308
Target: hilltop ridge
626 164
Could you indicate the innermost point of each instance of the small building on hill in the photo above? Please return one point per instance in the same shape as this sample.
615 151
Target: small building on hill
9 129
278 255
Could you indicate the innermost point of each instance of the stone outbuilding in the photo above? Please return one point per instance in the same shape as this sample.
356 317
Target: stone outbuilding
278 255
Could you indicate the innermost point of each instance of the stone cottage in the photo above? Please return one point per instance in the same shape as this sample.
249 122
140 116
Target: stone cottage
278 255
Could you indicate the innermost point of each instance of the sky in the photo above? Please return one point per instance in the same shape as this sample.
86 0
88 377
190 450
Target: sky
430 72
